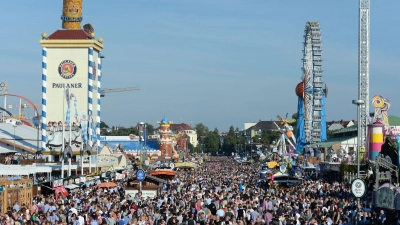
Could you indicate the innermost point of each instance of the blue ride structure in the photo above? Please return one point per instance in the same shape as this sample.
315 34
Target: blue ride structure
311 92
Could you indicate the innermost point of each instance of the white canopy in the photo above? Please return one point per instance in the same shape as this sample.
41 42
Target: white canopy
20 170
71 186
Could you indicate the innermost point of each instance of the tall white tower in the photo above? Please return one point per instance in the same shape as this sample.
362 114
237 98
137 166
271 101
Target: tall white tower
363 69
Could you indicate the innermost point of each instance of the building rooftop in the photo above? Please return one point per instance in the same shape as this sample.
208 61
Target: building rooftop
25 137
69 35
346 129
266 125
182 126
332 141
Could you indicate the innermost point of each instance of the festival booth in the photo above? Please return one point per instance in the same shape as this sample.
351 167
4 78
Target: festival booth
15 185
15 189
108 159
151 186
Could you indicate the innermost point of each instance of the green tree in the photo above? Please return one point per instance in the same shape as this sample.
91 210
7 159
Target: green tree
211 142
256 139
103 125
190 147
216 131
269 136
201 131
295 116
150 128
124 132
229 145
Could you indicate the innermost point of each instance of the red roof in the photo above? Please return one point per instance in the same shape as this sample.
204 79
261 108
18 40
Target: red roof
180 126
69 34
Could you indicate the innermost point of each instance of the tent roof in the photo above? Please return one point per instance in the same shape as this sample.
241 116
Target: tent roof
394 120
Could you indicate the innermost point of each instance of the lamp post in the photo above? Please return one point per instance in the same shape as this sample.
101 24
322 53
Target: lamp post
359 104
237 144
14 125
140 139
202 145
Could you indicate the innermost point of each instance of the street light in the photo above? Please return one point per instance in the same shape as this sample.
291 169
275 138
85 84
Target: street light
202 149
14 125
359 104
142 125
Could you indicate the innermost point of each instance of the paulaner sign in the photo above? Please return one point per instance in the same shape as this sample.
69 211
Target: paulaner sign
67 85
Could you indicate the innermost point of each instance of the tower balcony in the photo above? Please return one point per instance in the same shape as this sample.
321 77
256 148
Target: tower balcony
316 139
318 107
318 84
317 118
317 52
317 96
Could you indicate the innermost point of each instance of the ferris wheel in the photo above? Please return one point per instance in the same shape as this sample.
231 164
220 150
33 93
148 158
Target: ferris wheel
311 91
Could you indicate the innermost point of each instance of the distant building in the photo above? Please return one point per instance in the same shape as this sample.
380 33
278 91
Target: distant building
344 139
260 127
336 125
187 129
248 125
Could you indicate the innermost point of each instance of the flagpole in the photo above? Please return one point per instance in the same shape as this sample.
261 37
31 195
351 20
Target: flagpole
97 149
70 133
63 141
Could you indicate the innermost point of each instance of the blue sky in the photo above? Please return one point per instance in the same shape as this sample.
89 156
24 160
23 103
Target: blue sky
220 62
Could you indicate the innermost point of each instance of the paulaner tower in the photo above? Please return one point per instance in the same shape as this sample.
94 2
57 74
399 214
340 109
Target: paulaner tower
71 84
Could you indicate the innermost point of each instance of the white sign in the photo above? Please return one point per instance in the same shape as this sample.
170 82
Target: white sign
82 179
358 188
145 193
119 176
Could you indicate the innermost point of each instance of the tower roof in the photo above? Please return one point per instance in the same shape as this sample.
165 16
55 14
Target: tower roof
69 35
164 120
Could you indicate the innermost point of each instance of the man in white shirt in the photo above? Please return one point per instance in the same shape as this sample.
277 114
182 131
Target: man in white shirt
81 219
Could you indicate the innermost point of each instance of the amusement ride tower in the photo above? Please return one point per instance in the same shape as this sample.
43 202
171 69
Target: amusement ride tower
311 92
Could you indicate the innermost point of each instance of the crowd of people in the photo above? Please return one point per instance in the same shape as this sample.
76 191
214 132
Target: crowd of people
220 192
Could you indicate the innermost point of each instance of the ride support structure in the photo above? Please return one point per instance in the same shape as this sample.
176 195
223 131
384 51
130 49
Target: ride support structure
311 92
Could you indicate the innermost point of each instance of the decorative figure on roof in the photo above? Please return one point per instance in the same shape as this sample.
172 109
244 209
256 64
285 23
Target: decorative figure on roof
381 105
88 28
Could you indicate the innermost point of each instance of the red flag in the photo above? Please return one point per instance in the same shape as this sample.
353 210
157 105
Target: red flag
60 190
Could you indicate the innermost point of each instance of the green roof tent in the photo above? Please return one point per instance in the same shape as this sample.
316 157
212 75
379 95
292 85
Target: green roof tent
394 121
331 142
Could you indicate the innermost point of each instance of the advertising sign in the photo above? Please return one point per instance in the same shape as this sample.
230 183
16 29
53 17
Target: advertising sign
145 193
358 188
108 160
57 183
140 175
67 97
384 198
82 179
